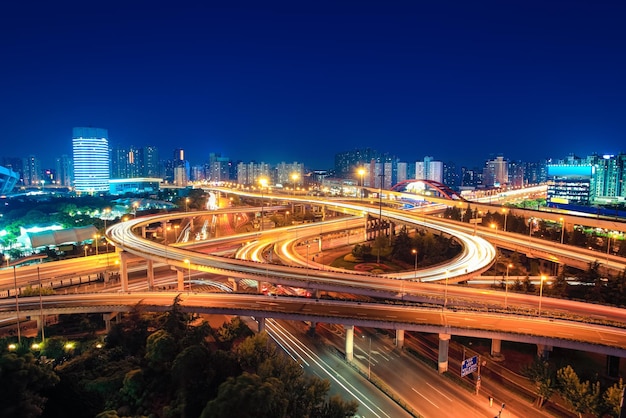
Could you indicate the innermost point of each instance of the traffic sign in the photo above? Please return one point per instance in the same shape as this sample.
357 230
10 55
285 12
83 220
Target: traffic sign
469 365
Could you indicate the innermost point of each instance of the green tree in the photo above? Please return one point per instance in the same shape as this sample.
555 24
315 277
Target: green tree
161 349
22 381
582 397
542 375
612 398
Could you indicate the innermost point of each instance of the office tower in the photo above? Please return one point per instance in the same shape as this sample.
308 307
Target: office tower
218 168
91 159
64 171
429 170
285 173
31 171
496 172
151 167
451 176
348 163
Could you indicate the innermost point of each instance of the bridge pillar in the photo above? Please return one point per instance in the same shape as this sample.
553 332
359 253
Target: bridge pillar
318 293
150 271
444 342
399 338
314 325
612 366
107 317
180 279
124 270
496 346
543 351
143 231
235 284
261 322
349 342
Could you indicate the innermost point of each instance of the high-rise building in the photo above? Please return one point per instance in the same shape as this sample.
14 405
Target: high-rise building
348 163
496 172
150 159
91 159
32 171
429 170
64 171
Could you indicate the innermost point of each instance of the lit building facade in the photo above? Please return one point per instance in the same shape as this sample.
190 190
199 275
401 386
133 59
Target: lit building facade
91 160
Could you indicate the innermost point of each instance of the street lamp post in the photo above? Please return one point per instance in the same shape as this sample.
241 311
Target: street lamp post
562 229
188 274
506 286
17 307
414 251
361 173
506 212
41 317
445 293
262 183
294 178
608 248
96 238
186 204
85 247
543 278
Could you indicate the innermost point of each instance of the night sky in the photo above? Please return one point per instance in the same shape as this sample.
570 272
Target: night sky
301 80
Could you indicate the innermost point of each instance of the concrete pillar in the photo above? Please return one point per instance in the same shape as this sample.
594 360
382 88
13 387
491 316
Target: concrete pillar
143 231
235 284
349 342
543 351
612 366
150 271
495 347
180 278
444 342
318 293
107 317
314 325
124 270
261 322
399 338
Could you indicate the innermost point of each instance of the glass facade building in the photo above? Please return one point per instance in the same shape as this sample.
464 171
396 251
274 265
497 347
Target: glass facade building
91 160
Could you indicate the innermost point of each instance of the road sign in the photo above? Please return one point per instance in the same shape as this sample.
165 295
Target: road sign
469 365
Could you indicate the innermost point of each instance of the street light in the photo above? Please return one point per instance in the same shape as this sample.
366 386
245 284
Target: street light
506 212
96 238
414 251
506 286
445 294
135 206
361 173
86 247
562 228
17 307
543 278
608 247
262 183
188 273
294 178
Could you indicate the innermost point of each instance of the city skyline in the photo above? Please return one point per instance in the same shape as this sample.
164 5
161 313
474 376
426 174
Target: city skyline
456 81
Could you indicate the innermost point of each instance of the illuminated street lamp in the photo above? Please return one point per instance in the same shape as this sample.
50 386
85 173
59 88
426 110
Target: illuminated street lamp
562 228
506 212
445 293
294 178
17 307
186 204
361 173
414 251
263 184
543 278
135 206
506 286
96 238
85 247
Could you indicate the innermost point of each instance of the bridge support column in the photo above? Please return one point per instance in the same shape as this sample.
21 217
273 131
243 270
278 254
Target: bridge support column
399 338
150 271
314 325
444 342
349 342
261 322
235 284
124 270
180 279
496 346
612 366
318 293
543 351
107 317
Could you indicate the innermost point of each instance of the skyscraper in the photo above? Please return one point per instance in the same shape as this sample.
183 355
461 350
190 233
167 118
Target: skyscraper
91 159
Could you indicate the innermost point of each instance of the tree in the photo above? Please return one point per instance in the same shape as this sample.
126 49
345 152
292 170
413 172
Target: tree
582 397
22 380
542 375
612 398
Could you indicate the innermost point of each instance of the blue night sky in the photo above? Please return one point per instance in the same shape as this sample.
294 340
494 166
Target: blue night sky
302 80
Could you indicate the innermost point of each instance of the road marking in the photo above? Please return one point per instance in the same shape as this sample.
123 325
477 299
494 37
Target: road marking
607 340
439 392
391 316
425 398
